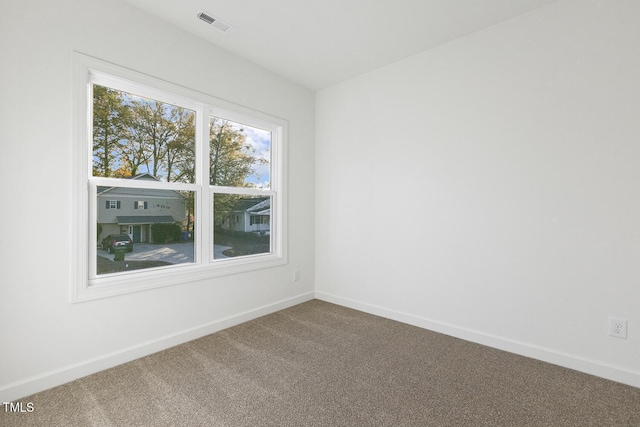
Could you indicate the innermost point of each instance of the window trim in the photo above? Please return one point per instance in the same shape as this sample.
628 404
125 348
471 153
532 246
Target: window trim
88 71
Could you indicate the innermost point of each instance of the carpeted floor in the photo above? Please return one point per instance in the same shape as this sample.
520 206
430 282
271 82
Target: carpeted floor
319 364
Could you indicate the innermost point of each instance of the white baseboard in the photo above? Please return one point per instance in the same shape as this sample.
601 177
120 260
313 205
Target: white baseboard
35 384
571 361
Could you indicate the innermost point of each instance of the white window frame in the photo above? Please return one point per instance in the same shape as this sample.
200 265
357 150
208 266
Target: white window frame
86 285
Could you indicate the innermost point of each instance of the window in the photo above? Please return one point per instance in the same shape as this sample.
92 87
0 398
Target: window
195 183
259 219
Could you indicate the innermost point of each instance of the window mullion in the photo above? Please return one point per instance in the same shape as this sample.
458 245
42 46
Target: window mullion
204 217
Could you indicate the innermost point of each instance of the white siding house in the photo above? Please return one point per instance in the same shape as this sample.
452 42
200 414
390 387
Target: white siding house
250 215
132 211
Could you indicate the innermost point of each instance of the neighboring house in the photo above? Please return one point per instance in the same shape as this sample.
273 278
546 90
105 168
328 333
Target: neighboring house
132 211
249 215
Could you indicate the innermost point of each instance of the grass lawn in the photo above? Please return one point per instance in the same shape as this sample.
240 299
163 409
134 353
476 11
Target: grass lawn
243 243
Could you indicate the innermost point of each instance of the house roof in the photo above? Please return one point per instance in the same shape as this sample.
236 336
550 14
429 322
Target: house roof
252 204
261 206
145 219
142 192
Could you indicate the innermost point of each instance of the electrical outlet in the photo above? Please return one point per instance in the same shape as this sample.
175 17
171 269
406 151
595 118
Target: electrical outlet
618 327
296 275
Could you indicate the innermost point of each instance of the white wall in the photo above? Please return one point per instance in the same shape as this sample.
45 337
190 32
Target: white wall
490 188
45 340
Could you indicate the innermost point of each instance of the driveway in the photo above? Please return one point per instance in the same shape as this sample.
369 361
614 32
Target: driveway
174 253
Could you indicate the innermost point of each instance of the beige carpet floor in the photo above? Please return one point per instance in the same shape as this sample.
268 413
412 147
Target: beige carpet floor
319 364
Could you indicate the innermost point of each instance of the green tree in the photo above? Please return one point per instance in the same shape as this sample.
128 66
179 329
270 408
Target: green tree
133 149
162 138
110 116
153 131
232 160
179 159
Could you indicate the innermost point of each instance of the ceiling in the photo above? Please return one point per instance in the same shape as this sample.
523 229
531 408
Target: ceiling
317 43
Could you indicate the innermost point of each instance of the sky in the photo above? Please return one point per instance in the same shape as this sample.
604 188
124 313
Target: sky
260 140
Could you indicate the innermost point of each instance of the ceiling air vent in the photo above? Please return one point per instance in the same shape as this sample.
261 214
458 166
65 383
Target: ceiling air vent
215 22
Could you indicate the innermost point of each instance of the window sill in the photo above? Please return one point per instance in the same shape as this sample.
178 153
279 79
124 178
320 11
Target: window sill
137 281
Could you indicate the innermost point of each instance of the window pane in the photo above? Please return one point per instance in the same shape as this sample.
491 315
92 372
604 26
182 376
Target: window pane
239 155
242 225
134 135
157 235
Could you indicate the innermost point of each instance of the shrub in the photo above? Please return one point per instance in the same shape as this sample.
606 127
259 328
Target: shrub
163 233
